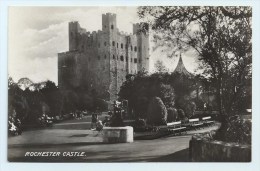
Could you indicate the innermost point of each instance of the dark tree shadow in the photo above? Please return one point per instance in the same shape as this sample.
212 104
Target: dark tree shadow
79 135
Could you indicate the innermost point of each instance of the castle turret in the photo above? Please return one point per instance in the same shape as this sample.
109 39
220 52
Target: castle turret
74 35
141 31
109 22
99 61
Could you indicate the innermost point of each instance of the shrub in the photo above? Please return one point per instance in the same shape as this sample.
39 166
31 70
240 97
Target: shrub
156 113
190 108
139 123
235 129
172 115
181 114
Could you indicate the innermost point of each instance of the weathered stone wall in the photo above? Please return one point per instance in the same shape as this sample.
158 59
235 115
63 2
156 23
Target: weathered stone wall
202 150
69 70
142 47
118 134
102 58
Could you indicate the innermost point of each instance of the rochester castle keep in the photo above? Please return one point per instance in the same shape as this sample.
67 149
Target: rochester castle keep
101 60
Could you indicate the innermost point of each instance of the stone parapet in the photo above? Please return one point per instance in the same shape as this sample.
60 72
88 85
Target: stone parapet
207 150
118 134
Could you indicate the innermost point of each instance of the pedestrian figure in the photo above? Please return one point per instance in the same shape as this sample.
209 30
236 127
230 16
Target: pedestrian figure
106 121
94 120
117 120
99 126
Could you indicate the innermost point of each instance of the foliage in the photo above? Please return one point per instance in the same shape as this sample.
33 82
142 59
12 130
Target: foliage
139 89
51 96
222 39
28 105
181 114
235 129
190 108
156 113
172 115
159 67
175 90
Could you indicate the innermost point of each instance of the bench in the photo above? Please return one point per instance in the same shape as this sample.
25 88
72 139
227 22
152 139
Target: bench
185 123
207 121
195 123
176 127
173 127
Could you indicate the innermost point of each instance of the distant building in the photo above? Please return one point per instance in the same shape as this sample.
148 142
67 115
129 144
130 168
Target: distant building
100 60
181 69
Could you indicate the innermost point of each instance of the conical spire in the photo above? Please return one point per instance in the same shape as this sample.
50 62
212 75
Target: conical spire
181 68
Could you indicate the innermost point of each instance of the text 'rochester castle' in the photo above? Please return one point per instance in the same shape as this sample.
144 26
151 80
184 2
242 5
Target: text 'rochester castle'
101 60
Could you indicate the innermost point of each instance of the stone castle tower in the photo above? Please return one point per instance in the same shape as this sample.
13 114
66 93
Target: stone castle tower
101 60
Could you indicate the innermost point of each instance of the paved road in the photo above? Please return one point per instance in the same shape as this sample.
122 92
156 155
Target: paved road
146 150
67 137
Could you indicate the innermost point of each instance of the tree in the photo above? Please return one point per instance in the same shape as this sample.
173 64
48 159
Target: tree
221 37
172 115
157 112
140 89
52 97
17 104
159 67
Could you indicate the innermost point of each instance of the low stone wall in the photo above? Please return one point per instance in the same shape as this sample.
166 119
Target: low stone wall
205 150
118 134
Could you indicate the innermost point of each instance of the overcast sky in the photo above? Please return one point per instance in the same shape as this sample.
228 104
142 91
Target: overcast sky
37 34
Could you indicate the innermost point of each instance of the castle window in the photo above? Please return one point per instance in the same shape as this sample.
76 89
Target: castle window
135 60
105 43
117 45
131 48
114 57
126 59
135 49
105 56
122 58
113 43
122 46
112 26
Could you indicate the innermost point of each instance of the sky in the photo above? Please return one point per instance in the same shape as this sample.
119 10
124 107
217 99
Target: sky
37 34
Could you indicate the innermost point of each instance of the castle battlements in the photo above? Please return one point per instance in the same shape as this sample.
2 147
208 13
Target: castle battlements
101 59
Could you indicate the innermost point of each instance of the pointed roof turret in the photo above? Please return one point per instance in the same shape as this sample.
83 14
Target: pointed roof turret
180 68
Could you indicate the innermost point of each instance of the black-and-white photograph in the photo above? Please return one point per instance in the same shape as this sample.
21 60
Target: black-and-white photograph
129 84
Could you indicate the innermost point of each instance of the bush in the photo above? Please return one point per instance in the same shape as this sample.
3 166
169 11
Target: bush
181 114
172 115
156 113
139 123
235 129
190 108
